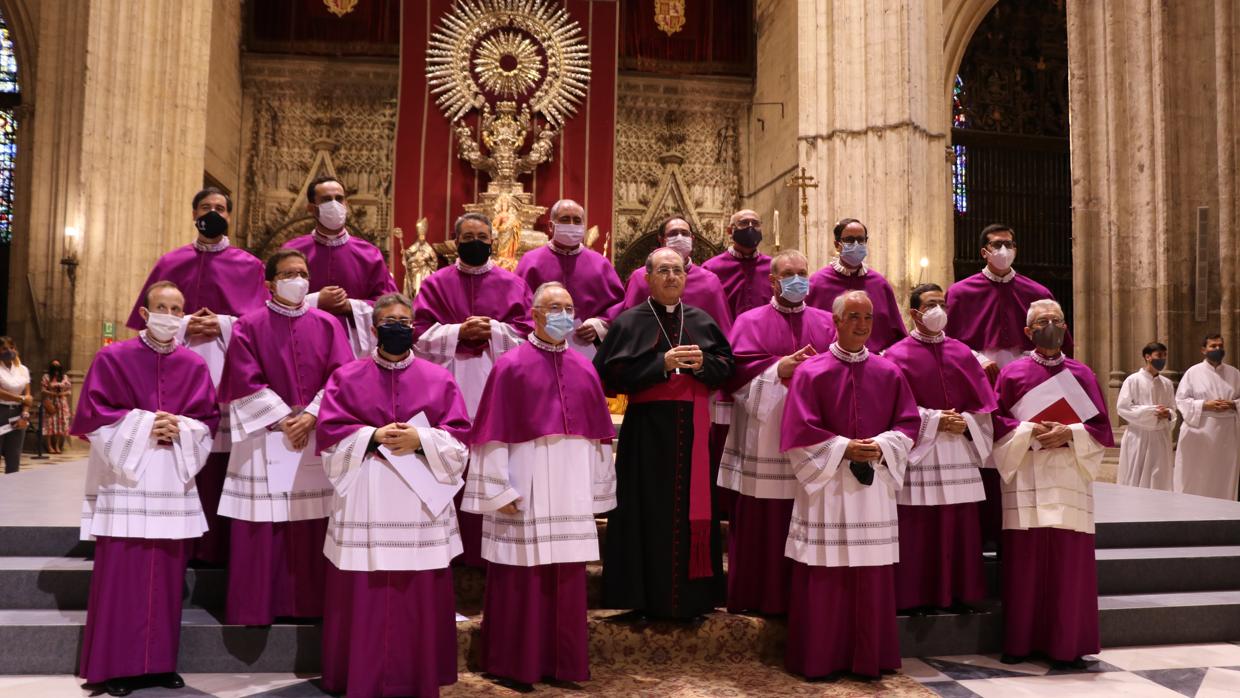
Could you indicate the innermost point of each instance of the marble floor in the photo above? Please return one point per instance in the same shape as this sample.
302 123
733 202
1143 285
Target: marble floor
1170 671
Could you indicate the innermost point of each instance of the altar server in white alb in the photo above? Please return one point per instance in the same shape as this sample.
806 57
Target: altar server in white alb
148 409
388 431
769 344
1207 459
1147 403
541 468
1051 430
276 493
849 422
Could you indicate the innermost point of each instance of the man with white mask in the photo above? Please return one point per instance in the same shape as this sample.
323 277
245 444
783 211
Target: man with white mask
276 492
589 276
849 272
347 273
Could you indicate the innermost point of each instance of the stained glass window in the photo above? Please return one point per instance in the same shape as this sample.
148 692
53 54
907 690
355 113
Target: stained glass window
9 99
960 157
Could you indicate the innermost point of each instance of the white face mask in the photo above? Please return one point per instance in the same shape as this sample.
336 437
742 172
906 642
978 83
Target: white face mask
1002 258
293 290
682 244
935 319
332 215
162 326
569 234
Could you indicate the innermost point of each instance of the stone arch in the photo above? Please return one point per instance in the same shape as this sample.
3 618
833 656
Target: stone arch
960 20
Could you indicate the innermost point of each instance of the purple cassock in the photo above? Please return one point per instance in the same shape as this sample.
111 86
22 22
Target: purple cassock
589 277
346 261
758 570
276 568
226 280
987 314
828 283
534 617
388 632
1049 575
843 618
746 280
941 545
702 291
133 616
451 295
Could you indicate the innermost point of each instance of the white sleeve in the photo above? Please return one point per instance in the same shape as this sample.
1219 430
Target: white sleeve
503 338
816 465
1010 451
124 444
1192 408
895 447
600 326
313 407
927 434
1143 417
438 343
982 429
343 462
360 337
1087 451
192 447
253 413
604 471
445 456
764 396
487 488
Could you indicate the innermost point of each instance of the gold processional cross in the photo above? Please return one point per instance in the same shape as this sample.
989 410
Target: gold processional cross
804 182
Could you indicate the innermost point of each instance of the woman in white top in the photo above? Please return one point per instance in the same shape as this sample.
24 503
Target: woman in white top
15 403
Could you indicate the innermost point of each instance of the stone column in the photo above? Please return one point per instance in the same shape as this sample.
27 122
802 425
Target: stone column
118 153
873 130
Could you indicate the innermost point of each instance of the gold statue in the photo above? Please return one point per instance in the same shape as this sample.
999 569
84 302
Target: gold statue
420 261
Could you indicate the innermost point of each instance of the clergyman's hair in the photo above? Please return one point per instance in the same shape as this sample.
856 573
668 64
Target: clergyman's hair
996 228
389 300
655 251
675 217
157 286
1152 347
844 223
555 208
837 306
1040 306
914 297
785 256
1213 335
547 286
312 194
208 191
472 216
273 262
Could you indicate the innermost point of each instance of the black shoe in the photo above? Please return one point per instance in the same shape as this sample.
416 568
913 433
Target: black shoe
916 612
117 687
1006 658
962 609
1078 664
170 680
511 685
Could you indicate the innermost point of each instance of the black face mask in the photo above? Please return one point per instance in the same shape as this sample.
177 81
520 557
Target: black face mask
395 338
211 224
1216 356
475 253
1050 337
1158 364
747 237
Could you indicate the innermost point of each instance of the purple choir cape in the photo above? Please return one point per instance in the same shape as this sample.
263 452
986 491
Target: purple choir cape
562 392
363 394
943 376
1025 374
764 335
293 356
702 291
830 398
129 375
827 284
589 277
450 295
986 314
227 282
354 265
745 280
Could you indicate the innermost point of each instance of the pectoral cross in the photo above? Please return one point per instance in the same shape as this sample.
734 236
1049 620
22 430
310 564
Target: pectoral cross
804 182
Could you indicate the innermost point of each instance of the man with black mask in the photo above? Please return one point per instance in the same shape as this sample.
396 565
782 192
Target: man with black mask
1207 459
464 318
743 270
220 283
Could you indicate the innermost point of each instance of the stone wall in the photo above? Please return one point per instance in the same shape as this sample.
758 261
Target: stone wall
223 153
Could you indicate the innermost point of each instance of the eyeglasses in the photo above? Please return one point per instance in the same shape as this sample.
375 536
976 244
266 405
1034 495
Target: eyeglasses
557 308
999 244
293 275
854 240
403 322
1057 322
669 271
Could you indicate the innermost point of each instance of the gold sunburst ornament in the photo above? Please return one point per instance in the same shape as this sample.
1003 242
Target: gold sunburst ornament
508 64
528 51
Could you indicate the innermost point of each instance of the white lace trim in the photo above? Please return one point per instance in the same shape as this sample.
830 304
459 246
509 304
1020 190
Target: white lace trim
847 356
220 246
837 265
567 253
927 338
391 365
331 240
786 310
474 271
156 346
547 346
286 311
1005 279
1045 361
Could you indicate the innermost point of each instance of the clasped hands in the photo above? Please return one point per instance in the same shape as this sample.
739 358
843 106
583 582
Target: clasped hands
952 422
400 438
299 428
167 427
1052 434
789 364
1218 405
475 328
204 324
334 300
684 356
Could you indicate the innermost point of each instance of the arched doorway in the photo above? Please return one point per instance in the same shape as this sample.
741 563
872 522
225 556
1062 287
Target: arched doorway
1010 161
10 103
